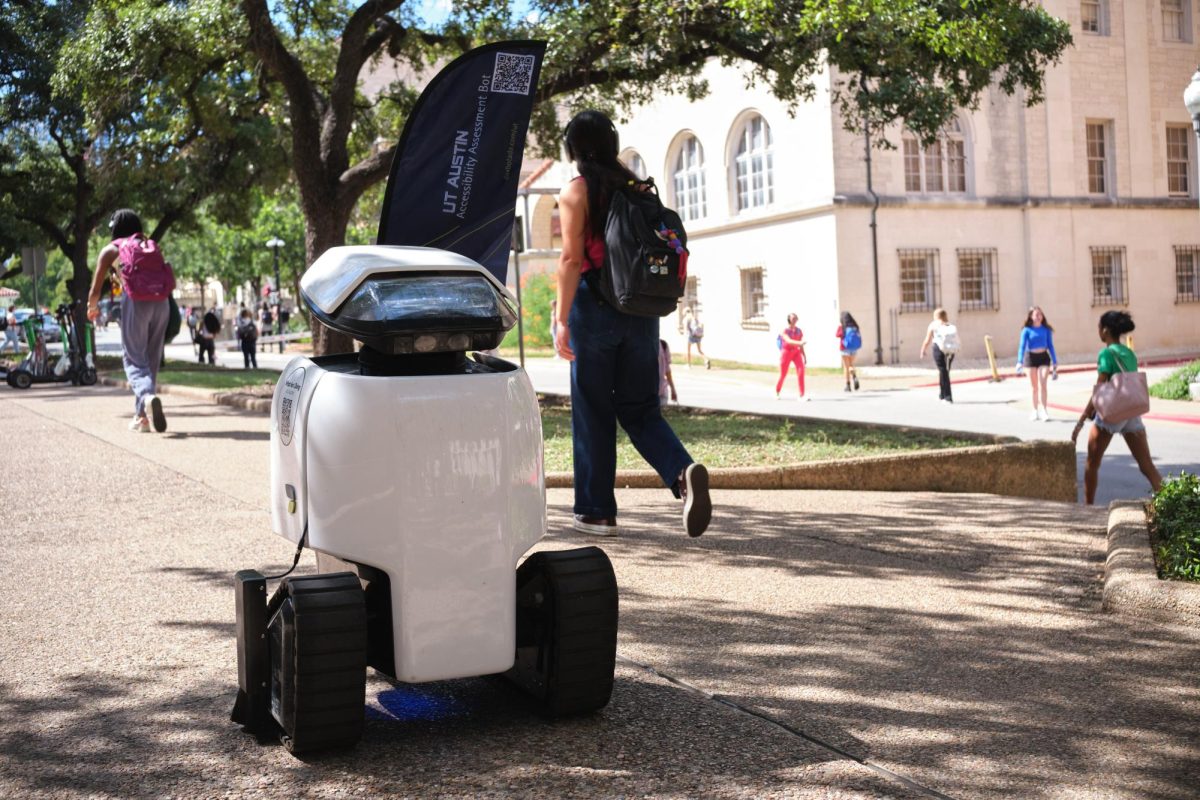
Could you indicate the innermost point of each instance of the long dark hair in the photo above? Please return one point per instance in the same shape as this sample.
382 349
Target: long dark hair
125 223
1029 318
1118 323
592 143
848 320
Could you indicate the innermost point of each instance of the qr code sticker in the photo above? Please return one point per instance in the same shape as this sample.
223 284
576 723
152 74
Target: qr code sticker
513 73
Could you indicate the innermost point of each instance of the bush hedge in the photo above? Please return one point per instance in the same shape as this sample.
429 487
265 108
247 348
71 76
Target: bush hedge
537 291
1175 385
1175 522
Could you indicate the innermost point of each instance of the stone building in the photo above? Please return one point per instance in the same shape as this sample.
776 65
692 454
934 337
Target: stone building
1081 204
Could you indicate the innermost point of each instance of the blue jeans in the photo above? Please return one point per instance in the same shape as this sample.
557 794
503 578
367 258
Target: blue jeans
614 378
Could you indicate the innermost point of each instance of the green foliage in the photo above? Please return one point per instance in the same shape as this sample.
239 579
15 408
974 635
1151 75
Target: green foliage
537 292
1176 527
1175 385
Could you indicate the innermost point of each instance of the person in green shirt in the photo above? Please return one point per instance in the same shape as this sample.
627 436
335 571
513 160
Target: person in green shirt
1114 358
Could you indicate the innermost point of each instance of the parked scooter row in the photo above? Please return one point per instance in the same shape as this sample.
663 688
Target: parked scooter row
77 363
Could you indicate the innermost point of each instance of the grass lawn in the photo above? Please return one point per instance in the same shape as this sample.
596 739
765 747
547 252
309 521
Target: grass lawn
721 439
203 376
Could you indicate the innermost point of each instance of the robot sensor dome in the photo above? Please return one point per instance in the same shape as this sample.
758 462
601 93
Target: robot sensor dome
409 300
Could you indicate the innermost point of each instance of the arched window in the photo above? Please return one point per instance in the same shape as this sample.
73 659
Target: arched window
754 164
939 167
688 178
632 160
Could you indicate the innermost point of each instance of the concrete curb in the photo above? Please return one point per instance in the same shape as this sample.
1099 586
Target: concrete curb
1131 583
242 400
1041 470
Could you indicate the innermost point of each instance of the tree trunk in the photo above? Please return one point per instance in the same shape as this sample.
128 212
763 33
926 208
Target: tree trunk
325 228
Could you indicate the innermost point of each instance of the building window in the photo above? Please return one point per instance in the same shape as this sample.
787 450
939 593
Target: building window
1176 20
978 280
1179 161
754 165
632 160
1099 158
937 167
1094 16
754 299
1187 274
1110 277
690 299
690 199
920 284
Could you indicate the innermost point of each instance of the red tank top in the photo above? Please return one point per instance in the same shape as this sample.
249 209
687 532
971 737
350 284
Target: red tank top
593 246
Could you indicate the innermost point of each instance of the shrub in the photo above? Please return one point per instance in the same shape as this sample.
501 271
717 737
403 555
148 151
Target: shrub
1176 525
537 291
1175 385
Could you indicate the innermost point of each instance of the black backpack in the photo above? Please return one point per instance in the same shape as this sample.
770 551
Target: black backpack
645 254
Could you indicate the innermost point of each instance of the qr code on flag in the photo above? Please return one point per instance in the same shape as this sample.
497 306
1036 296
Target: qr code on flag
513 73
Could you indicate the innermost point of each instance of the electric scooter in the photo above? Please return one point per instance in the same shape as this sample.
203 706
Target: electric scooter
415 473
76 364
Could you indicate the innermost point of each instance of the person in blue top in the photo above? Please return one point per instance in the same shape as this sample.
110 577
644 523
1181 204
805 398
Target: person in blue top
1114 358
1036 351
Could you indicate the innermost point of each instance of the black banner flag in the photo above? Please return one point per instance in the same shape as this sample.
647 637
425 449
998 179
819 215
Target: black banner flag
453 183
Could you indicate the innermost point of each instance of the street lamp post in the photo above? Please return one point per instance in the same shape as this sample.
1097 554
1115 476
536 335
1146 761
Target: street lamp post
275 243
1191 99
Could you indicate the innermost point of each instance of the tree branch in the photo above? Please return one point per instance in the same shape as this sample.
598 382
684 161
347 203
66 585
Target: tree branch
365 174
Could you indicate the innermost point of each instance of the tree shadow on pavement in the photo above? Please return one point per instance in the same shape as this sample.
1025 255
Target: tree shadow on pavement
960 638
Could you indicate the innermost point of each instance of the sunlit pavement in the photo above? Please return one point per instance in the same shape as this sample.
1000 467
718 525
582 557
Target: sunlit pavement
953 641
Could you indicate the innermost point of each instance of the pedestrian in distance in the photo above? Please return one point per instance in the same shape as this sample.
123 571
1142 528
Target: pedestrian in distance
944 337
247 334
666 383
695 335
791 351
11 338
267 320
1036 351
614 356
849 343
192 319
206 335
1113 358
146 284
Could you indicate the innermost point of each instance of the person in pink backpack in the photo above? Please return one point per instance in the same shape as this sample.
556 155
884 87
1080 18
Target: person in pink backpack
147 282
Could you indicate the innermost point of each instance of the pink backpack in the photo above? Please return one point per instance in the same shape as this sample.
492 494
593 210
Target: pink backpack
144 273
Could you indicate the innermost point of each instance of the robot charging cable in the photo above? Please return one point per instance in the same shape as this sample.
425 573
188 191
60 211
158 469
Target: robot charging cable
296 560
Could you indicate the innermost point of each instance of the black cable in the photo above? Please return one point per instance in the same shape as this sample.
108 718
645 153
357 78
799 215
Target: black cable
296 560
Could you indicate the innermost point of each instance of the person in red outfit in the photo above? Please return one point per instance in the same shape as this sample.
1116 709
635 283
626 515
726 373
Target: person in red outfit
791 351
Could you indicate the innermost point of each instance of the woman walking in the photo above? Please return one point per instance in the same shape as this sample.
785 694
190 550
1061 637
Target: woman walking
791 351
944 338
695 334
849 342
614 356
143 321
1114 358
1036 351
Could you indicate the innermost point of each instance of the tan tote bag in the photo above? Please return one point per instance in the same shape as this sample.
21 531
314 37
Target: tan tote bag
1123 396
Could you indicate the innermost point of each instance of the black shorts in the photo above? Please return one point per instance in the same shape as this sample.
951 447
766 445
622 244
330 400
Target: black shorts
1041 359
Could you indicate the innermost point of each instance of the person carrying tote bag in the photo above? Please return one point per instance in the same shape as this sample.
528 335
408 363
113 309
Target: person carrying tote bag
1118 402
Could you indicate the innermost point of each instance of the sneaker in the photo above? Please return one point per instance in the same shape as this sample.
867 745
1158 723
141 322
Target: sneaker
140 425
697 505
708 363
156 412
856 382
777 397
847 389
1043 414
598 526
805 398
1034 416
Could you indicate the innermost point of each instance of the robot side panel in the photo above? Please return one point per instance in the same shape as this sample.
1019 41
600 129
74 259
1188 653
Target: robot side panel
437 480
289 424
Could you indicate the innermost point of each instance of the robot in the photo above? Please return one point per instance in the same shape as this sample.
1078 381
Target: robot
415 473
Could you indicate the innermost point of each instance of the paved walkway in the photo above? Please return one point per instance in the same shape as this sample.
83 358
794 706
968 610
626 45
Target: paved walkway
909 644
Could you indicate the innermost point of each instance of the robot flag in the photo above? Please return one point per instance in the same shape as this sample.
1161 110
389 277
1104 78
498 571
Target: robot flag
453 183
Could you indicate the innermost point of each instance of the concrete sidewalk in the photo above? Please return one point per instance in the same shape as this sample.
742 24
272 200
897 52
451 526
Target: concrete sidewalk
910 644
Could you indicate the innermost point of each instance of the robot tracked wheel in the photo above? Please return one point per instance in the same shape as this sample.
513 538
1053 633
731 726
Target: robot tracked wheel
302 662
566 630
